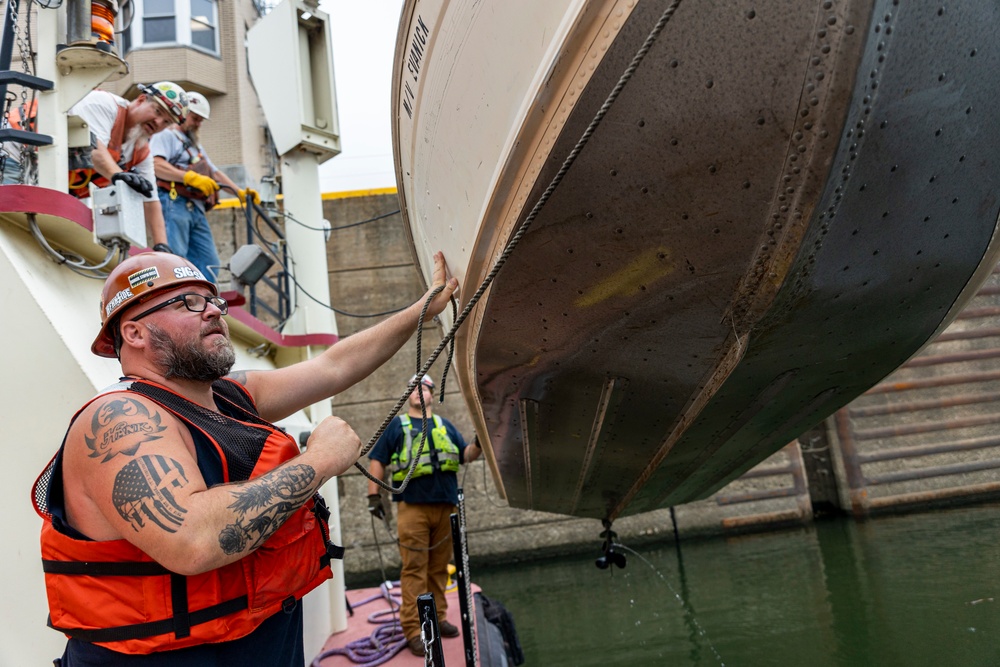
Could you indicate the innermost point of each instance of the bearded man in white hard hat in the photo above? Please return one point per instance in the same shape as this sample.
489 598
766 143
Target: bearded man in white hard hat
120 132
189 183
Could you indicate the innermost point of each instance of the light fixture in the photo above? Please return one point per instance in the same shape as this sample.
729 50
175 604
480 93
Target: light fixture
102 21
249 264
90 39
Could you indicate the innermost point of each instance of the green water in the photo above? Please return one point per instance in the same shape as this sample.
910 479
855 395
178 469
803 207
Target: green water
919 589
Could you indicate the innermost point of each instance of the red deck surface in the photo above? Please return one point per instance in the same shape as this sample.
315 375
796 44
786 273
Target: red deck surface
358 627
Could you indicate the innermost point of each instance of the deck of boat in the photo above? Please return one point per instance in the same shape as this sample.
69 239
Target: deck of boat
359 627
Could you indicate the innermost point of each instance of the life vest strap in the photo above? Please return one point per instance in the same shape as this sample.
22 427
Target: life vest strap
179 603
104 569
141 630
322 512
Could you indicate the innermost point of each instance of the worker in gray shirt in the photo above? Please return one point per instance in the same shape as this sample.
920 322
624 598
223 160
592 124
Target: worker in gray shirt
188 183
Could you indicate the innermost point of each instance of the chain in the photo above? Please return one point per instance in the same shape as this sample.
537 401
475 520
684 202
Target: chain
9 98
427 637
28 116
23 40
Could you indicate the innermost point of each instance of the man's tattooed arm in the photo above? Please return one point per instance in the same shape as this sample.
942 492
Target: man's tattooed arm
145 493
131 472
262 505
238 376
119 426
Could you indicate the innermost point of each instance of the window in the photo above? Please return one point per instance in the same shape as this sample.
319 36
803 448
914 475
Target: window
159 22
203 24
174 23
125 41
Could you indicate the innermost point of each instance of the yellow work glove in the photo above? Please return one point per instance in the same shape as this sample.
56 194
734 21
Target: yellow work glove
203 184
243 194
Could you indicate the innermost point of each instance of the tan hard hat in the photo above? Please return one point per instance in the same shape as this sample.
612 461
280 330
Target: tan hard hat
136 280
170 96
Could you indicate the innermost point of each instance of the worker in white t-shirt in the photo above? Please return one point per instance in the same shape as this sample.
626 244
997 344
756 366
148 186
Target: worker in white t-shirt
119 150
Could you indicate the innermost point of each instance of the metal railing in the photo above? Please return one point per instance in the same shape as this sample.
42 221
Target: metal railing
271 295
930 422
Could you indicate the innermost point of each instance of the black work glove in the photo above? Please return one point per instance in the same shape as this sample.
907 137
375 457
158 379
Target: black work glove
375 506
134 181
163 247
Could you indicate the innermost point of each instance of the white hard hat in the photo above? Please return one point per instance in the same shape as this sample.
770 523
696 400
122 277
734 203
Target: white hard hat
170 96
199 105
425 380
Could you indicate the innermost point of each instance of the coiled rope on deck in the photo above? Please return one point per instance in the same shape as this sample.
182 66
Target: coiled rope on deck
449 338
384 642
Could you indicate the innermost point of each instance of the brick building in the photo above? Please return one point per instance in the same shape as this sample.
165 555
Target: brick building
200 44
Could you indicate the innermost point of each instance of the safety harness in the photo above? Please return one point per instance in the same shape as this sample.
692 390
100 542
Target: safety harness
196 163
82 172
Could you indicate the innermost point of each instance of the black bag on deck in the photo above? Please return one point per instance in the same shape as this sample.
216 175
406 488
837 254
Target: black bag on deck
498 615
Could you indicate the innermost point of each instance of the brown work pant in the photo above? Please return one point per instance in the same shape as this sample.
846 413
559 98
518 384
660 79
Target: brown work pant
425 570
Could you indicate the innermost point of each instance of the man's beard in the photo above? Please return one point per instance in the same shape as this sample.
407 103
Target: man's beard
135 134
191 361
194 135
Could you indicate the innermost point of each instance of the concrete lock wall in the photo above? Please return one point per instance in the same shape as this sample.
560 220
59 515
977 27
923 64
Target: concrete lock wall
372 271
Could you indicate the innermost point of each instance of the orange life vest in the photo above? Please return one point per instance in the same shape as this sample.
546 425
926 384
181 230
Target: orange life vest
112 594
79 179
23 116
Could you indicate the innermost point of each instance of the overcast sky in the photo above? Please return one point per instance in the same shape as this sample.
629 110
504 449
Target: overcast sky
364 40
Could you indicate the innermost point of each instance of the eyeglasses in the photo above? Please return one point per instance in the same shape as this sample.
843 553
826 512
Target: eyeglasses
196 303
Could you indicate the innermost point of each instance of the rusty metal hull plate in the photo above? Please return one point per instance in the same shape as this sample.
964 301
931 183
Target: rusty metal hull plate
783 205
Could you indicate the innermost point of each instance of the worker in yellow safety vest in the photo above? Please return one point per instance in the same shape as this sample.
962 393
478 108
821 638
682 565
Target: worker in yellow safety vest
425 506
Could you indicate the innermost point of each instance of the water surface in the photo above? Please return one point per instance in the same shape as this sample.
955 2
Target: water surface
920 589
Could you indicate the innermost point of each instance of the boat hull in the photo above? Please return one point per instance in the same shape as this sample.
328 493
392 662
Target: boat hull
779 208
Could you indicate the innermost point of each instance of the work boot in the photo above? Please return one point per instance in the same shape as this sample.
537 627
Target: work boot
447 629
416 645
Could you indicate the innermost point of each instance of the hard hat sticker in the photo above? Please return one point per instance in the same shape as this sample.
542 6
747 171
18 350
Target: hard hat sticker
143 276
117 300
187 272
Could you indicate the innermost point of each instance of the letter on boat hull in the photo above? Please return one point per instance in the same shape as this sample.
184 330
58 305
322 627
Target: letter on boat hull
782 205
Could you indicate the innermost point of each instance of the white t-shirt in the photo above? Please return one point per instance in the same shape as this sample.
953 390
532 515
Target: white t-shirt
100 109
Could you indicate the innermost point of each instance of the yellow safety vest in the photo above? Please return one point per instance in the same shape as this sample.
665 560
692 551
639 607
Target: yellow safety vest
444 456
